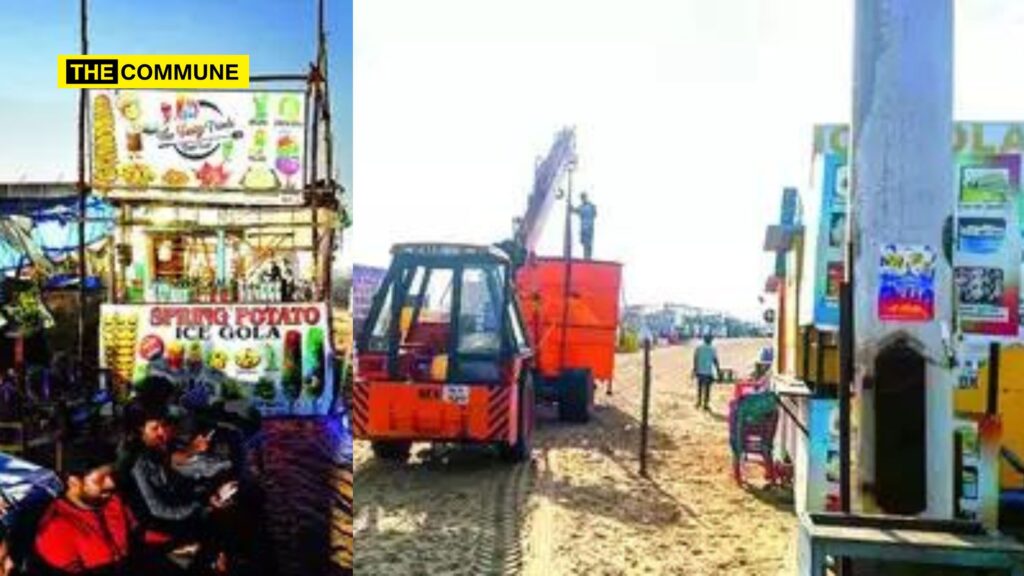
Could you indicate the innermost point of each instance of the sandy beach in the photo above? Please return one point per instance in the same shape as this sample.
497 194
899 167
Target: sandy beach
581 507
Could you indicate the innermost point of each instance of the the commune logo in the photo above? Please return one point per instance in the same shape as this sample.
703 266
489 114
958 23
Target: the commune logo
153 71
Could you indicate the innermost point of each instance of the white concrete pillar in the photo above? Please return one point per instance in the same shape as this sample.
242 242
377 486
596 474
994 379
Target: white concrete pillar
903 193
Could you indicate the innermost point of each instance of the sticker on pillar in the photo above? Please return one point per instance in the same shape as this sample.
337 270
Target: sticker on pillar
981 235
985 302
906 286
985 185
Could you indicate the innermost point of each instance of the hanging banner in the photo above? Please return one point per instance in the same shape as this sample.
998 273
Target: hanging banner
275 356
205 145
906 284
987 261
829 273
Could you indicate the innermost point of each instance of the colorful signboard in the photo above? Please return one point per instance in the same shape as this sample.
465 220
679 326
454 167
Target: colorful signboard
275 356
987 260
831 239
160 141
906 284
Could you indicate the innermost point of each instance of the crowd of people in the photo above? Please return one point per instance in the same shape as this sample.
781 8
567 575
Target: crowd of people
162 499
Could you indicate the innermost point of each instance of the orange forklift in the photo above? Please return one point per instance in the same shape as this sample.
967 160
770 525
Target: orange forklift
461 341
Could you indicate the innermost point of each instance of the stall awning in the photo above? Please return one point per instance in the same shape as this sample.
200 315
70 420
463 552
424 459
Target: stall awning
53 226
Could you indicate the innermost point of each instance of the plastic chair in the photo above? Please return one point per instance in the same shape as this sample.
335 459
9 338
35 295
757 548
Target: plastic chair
753 419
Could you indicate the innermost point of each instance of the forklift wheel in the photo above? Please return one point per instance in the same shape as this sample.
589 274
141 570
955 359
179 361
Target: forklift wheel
575 396
521 450
391 450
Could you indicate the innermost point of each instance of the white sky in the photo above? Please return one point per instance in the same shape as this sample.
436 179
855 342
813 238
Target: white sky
691 117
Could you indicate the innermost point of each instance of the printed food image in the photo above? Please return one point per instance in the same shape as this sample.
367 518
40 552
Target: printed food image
270 353
136 175
118 334
211 176
247 358
265 389
260 178
104 147
195 354
288 157
219 360
175 355
175 178
291 377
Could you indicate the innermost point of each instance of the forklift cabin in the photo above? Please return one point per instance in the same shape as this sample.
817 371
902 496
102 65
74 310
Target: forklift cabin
443 355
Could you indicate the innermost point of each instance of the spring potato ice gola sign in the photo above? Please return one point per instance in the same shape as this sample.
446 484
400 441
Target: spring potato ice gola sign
276 356
211 142
179 72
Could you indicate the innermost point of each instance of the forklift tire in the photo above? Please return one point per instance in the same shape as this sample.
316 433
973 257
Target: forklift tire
391 450
575 396
523 447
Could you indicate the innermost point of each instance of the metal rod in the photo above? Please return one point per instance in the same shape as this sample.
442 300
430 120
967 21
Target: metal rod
992 407
567 253
278 78
845 381
646 407
958 472
83 192
793 417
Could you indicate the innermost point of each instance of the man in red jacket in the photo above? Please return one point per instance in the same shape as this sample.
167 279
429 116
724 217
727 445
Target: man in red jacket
89 529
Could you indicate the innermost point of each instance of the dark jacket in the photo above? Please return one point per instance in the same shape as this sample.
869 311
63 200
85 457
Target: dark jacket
163 500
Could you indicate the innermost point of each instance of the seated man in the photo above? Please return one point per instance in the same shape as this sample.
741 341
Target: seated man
166 503
89 529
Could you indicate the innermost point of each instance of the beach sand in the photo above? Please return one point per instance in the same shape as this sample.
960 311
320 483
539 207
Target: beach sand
581 507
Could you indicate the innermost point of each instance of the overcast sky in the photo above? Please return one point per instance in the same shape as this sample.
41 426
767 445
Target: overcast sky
691 117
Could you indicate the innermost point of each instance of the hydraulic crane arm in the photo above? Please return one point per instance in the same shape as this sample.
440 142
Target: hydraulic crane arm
560 159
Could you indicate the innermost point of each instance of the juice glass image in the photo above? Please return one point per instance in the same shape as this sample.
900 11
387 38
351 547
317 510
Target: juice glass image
175 355
314 362
291 373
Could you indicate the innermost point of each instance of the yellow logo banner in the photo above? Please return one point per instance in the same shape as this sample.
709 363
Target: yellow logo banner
153 71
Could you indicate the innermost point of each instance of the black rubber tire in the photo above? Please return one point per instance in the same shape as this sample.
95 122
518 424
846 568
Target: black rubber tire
523 447
575 396
391 450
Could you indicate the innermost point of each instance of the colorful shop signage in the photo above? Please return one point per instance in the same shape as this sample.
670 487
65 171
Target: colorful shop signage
831 238
159 141
906 283
274 356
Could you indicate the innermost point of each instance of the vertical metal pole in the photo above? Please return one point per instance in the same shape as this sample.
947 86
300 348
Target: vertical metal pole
845 379
567 287
646 407
83 194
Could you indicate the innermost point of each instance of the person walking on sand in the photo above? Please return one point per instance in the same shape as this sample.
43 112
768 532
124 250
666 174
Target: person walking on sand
705 367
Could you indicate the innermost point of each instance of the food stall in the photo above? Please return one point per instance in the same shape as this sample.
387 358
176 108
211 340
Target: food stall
222 245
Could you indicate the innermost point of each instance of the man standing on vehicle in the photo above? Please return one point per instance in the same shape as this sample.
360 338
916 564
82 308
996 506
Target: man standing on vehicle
705 369
587 213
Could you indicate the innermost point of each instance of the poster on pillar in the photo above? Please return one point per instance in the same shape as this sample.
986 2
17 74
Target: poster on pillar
906 284
987 262
831 238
